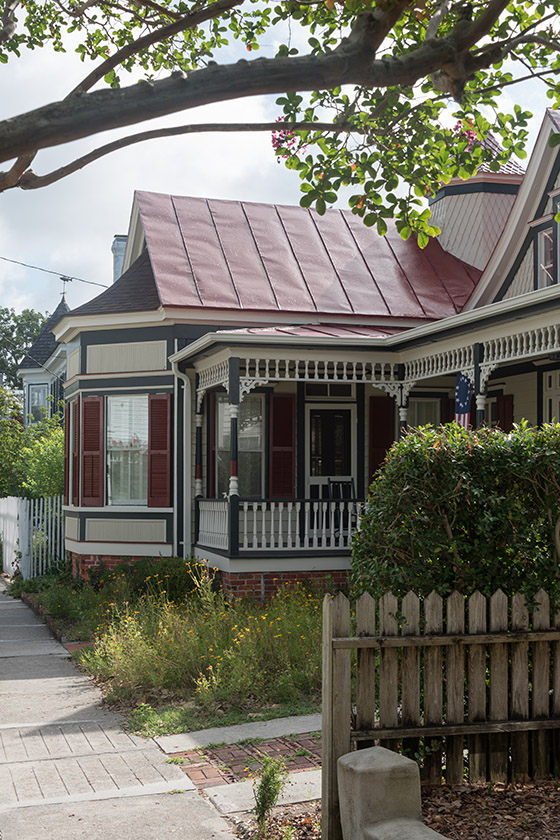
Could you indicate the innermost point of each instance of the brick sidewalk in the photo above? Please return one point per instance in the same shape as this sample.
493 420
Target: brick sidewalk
223 765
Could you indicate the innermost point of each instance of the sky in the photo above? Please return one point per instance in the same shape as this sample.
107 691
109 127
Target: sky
69 226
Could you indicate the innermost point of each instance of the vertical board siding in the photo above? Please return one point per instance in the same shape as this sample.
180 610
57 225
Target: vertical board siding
494 686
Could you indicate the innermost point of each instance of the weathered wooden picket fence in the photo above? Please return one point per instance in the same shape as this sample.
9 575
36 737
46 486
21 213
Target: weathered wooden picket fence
470 687
31 534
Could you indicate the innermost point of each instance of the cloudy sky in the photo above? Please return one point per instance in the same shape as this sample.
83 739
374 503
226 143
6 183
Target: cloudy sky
69 226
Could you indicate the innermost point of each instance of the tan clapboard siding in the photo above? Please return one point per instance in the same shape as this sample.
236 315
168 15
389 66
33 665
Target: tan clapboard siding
73 364
122 358
125 530
71 527
523 282
524 390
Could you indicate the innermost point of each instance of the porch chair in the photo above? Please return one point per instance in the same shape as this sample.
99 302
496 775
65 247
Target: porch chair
343 490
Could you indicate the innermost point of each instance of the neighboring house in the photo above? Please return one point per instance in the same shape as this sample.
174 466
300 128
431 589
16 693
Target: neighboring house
43 370
233 392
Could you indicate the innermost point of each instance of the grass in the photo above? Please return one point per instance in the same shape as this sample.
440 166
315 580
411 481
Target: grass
175 656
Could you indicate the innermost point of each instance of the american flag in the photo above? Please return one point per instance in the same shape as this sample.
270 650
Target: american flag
463 400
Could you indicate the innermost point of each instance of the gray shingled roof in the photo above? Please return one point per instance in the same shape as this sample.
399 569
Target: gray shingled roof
134 291
44 345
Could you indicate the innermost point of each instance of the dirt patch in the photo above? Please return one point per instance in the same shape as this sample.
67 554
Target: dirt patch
512 812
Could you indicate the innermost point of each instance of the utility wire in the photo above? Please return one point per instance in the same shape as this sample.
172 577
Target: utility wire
27 353
58 274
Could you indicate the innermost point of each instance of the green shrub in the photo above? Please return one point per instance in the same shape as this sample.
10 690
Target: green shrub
172 576
454 509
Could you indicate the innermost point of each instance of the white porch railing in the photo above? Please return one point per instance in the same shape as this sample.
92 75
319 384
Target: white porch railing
267 525
213 518
32 534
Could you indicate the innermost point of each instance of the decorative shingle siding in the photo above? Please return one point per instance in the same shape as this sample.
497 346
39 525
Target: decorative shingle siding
471 224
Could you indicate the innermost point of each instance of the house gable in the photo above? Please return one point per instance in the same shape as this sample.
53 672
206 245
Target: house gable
513 268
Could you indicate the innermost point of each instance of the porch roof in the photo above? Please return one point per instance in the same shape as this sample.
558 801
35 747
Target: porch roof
348 331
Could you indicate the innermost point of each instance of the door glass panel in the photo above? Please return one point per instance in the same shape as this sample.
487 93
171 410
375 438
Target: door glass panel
330 444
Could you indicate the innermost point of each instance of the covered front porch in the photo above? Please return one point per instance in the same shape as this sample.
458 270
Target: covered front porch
289 430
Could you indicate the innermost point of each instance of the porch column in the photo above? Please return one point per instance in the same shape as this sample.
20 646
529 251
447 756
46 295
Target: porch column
403 419
198 455
402 403
233 416
479 386
233 490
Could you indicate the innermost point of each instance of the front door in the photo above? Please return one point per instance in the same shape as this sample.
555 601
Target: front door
329 448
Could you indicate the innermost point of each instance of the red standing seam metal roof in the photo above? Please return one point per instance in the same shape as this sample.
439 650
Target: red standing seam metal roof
269 258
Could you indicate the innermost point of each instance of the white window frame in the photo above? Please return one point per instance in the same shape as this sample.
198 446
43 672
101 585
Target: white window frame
34 387
130 502
413 405
545 271
222 399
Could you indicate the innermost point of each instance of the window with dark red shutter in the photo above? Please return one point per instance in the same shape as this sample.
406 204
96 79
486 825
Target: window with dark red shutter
92 452
159 450
282 446
381 430
66 455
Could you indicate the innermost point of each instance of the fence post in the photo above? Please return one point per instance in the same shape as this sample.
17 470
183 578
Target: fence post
23 533
336 710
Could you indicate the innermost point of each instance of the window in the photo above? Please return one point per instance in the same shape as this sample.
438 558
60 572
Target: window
127 450
545 259
421 412
250 439
38 402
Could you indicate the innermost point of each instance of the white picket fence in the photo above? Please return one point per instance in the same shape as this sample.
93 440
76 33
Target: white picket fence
31 534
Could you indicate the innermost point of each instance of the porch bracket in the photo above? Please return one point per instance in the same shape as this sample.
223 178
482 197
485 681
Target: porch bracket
486 369
399 390
247 384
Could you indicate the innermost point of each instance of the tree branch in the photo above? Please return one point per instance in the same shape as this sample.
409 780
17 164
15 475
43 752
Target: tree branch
8 20
12 177
438 16
30 181
157 35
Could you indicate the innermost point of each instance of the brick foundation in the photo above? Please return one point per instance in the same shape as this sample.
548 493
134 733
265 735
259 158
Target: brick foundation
83 563
257 585
262 585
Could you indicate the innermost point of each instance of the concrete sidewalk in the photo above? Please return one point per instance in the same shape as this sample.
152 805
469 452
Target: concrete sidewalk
67 768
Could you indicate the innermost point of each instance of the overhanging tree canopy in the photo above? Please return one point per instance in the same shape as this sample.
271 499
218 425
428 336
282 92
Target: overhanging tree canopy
360 105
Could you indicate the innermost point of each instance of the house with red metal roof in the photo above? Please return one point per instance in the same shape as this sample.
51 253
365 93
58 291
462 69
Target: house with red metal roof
233 392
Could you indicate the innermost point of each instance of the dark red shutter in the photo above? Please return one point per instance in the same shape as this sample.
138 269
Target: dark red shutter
66 454
92 452
159 450
282 446
504 412
381 430
76 452
447 406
